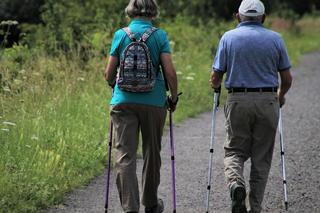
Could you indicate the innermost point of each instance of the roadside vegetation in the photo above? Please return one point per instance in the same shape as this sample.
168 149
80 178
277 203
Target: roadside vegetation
54 103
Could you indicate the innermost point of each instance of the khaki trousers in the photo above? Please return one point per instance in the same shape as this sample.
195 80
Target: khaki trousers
128 120
251 124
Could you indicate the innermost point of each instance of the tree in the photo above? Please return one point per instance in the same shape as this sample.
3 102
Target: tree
21 10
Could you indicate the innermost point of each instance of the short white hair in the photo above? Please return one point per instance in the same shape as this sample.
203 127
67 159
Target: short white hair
144 8
250 18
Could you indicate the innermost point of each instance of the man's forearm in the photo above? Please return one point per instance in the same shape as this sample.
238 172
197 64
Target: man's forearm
286 81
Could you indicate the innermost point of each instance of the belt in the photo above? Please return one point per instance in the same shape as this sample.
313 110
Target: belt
262 89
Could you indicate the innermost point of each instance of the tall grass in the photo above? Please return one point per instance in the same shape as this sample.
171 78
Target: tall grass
52 134
304 39
54 111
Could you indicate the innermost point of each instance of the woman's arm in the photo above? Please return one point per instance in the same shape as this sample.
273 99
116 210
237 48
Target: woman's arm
171 75
111 70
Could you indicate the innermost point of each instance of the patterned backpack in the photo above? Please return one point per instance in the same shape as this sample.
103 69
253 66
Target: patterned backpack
137 73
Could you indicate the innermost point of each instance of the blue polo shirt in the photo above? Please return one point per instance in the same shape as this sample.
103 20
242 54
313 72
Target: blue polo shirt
251 56
157 43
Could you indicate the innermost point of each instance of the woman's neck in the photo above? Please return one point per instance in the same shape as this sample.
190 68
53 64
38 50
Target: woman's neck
143 18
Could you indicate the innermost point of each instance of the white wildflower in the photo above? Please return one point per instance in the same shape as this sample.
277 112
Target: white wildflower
9 123
192 73
80 79
7 89
189 67
17 81
5 130
9 22
179 73
22 71
35 138
28 146
190 78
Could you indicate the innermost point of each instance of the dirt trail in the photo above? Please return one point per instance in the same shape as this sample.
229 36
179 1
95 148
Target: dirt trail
301 123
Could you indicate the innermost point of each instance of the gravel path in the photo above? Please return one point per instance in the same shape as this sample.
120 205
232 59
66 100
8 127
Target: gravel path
301 123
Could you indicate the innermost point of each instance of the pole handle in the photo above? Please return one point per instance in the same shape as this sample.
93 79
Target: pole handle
217 92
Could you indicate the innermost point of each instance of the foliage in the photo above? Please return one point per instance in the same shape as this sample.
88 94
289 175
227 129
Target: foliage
78 24
54 103
75 23
298 6
54 110
51 131
21 10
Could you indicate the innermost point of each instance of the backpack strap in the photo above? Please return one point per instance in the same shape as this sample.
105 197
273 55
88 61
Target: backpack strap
148 33
129 33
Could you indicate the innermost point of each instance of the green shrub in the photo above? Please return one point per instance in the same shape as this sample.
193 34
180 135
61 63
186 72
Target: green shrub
54 107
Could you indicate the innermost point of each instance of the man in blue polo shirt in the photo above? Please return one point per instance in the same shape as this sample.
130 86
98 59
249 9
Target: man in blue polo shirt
252 57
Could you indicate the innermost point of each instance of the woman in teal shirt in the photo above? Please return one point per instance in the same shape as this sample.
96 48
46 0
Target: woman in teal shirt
146 112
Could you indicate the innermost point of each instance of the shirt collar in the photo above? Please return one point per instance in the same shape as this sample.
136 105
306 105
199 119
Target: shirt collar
140 21
248 23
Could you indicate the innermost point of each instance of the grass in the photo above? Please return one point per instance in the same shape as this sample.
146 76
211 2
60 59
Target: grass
54 138
302 37
54 110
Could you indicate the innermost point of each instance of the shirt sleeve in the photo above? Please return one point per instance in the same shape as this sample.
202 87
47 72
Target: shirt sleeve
284 61
220 59
114 50
165 44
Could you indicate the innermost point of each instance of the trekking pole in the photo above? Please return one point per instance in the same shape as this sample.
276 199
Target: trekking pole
109 165
172 164
216 97
174 203
283 162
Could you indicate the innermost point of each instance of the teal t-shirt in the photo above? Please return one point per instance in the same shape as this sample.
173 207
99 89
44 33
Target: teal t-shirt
157 43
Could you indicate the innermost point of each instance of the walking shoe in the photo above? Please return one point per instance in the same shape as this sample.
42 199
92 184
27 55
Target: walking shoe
238 196
157 208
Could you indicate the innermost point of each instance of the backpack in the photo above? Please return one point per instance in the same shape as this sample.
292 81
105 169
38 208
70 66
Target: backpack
137 73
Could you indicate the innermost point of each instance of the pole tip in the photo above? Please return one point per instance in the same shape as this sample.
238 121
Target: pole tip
286 205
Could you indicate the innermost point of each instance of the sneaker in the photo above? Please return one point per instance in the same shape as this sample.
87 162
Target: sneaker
157 208
238 196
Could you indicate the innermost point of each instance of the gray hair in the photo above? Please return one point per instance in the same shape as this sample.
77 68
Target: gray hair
144 8
250 18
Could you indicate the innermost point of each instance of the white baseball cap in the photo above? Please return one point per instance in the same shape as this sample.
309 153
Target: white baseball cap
251 8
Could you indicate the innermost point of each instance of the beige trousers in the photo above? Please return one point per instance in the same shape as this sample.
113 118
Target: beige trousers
251 124
128 120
